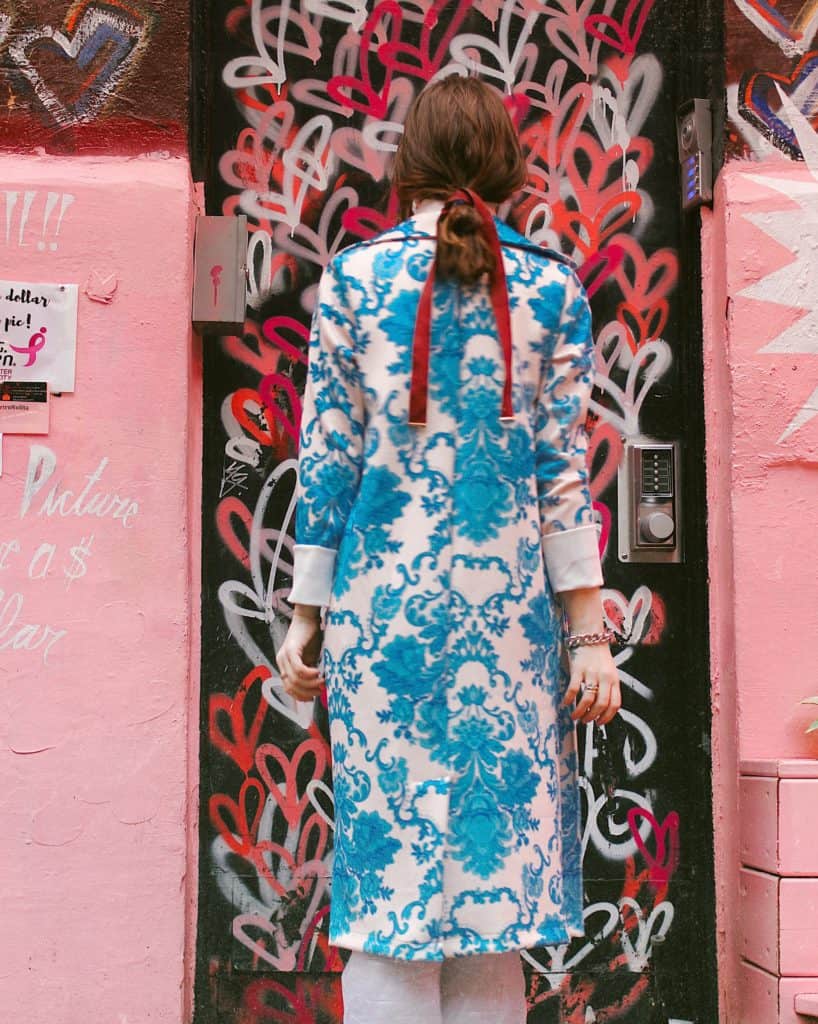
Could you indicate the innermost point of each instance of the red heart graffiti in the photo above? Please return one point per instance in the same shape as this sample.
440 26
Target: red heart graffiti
305 999
312 942
225 511
518 105
299 880
548 142
240 814
248 165
622 35
238 404
359 93
665 860
313 91
564 30
599 266
605 519
606 438
291 806
420 61
258 98
253 163
365 222
269 389
240 744
589 234
369 150
643 327
252 349
657 621
595 173
314 846
645 283
272 331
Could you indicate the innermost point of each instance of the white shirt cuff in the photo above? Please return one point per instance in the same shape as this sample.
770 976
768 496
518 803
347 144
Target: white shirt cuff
313 573
572 558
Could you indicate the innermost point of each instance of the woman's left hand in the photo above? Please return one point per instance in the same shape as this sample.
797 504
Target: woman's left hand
297 657
593 666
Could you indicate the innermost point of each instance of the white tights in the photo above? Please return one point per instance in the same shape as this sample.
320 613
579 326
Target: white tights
481 989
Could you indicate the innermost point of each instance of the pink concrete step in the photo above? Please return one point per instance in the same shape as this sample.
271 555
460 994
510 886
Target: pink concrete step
806 1004
782 767
798 927
798 1001
758 918
766 999
759 995
779 923
779 816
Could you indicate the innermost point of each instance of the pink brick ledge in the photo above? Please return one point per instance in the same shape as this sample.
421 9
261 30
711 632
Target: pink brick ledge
781 767
806 1003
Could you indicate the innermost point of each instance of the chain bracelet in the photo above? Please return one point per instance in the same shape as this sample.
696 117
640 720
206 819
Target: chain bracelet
574 640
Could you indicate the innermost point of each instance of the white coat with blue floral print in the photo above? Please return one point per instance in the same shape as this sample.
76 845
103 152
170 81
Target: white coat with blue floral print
437 552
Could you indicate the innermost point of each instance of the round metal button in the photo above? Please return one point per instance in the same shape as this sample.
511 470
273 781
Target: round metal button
657 527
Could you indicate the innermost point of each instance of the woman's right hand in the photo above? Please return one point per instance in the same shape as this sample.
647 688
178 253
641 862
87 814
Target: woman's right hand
595 680
297 657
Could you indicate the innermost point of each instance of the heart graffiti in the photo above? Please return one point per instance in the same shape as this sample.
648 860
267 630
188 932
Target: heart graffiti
758 102
623 35
76 72
793 33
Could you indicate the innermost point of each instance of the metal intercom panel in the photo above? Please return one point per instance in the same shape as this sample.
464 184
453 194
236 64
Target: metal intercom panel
694 134
650 507
220 275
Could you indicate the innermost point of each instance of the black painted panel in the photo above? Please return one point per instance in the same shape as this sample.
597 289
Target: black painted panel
649 954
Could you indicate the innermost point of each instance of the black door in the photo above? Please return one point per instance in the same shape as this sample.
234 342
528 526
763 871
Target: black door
295 123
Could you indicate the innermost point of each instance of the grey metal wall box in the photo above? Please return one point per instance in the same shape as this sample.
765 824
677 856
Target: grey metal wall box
220 275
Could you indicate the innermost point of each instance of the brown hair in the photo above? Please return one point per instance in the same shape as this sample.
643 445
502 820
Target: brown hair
458 134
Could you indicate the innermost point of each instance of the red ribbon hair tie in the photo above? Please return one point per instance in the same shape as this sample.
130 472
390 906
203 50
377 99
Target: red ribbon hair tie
419 388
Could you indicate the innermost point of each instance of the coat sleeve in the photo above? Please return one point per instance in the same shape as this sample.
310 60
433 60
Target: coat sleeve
570 537
330 445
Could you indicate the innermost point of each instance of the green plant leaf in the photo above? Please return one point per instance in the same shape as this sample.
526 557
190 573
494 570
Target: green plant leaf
813 727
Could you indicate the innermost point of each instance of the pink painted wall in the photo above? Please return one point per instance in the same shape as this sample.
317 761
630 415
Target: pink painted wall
764 450
95 718
761 387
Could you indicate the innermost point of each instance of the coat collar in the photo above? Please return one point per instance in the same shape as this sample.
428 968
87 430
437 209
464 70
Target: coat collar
426 214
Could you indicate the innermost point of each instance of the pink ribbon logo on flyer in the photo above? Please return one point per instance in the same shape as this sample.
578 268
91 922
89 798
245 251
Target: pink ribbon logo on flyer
38 333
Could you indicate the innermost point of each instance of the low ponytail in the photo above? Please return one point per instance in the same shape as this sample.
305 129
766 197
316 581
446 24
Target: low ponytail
463 251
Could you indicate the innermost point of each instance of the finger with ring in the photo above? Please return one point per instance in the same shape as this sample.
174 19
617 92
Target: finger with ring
600 705
586 699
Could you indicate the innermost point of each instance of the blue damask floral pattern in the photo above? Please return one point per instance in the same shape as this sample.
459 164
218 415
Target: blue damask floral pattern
454 763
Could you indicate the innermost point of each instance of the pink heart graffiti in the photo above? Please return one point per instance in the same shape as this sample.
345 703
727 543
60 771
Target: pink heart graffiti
622 35
664 861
